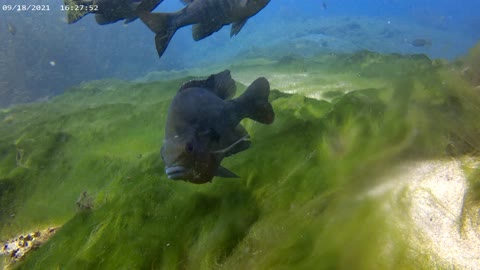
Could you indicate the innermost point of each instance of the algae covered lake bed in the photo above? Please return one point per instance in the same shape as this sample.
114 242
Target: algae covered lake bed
327 186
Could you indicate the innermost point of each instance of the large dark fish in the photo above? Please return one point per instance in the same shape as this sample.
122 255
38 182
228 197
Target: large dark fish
207 17
108 11
203 126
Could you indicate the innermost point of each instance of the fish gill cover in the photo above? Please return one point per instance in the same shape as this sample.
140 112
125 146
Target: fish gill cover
309 193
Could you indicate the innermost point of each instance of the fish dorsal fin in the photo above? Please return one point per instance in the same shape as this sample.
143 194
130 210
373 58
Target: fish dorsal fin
194 84
186 2
221 84
224 172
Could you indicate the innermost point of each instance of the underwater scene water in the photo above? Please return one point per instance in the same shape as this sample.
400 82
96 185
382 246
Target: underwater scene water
239 134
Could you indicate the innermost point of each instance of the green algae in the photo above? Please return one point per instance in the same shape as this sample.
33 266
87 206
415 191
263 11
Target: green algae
469 67
298 203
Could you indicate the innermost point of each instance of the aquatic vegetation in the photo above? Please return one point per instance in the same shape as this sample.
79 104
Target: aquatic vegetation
309 194
470 67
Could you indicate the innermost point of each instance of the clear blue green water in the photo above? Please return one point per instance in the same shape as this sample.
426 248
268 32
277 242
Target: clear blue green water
84 51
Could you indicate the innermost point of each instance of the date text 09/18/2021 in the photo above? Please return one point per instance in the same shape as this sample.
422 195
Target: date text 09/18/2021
19 8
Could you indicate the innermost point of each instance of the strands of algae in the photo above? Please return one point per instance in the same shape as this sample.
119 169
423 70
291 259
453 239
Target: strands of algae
298 203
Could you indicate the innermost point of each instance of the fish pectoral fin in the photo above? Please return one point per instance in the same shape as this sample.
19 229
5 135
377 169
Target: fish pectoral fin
225 173
186 2
193 84
241 144
236 27
239 147
203 30
241 132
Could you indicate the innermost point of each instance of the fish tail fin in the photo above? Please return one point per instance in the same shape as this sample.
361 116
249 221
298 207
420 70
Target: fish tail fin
73 15
160 24
255 102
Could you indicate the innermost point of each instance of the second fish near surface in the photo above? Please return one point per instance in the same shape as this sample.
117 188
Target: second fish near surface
206 16
203 126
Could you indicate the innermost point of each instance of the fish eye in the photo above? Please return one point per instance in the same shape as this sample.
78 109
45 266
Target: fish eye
189 147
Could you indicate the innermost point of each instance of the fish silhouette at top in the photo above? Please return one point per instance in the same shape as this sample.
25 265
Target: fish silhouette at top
203 126
108 11
206 16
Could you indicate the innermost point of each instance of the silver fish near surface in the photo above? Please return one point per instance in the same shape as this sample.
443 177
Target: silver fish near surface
108 11
203 126
206 16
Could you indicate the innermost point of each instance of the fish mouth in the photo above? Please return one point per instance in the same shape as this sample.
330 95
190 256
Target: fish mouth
176 172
